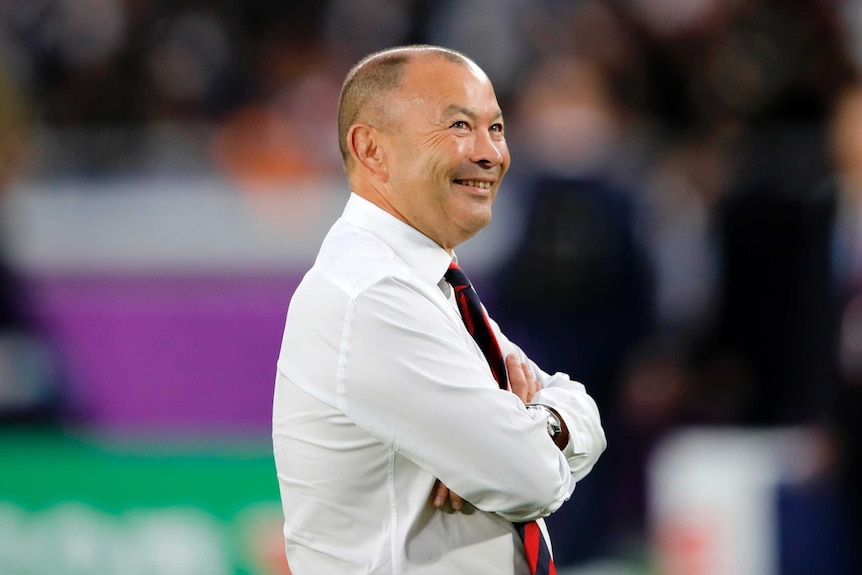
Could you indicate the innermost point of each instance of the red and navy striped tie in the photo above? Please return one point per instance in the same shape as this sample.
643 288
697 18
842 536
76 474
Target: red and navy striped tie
535 547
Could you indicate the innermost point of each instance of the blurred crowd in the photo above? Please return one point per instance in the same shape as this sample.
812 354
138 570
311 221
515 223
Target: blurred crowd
689 173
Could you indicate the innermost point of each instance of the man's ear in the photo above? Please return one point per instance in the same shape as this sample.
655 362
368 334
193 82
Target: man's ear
364 143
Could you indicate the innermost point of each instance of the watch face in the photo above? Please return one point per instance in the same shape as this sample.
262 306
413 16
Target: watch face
553 422
554 427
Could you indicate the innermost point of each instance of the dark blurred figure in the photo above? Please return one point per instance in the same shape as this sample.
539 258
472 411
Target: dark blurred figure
788 65
579 274
776 222
846 406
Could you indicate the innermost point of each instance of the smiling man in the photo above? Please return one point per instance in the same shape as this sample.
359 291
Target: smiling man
410 435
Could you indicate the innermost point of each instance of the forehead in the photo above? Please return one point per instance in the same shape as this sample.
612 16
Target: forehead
447 86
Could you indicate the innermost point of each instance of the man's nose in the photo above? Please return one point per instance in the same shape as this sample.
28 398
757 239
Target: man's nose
488 150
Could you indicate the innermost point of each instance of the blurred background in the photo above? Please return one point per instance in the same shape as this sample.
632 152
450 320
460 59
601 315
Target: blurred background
685 199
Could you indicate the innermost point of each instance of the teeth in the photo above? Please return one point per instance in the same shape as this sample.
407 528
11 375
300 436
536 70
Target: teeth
477 184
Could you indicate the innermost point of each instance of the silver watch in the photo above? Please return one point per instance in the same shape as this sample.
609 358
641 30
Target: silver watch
555 427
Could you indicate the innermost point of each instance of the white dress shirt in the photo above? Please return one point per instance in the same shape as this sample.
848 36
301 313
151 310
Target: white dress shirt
380 390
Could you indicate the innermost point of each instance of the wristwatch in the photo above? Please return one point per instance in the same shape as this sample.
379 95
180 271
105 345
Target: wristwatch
555 427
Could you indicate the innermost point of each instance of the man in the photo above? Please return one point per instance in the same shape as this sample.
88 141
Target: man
384 401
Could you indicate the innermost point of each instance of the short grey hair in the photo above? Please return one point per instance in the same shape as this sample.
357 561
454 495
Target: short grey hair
375 76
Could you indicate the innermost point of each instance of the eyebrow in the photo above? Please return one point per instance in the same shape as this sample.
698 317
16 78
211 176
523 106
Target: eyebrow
455 109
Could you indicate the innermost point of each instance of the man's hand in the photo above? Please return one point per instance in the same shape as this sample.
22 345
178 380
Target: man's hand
524 385
440 494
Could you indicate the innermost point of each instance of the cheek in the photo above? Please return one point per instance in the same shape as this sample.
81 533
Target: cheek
433 168
447 148
460 148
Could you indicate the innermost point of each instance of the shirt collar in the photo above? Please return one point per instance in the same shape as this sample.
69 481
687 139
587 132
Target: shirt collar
420 252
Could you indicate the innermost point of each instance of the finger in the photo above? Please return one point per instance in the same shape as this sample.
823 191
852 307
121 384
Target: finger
456 500
440 493
533 382
524 385
517 378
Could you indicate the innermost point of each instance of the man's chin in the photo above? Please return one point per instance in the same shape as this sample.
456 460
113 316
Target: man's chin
477 223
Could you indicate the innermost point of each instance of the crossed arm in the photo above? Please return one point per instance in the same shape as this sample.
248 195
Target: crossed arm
525 386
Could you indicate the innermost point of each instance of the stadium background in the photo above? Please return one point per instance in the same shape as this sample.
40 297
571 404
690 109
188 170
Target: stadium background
684 185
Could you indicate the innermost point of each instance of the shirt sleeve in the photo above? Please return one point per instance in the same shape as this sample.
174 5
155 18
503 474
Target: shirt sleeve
411 375
570 399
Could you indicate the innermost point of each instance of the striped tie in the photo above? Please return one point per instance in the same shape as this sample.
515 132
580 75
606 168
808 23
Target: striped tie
535 547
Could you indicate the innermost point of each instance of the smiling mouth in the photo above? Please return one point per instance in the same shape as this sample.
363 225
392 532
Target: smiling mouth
475 184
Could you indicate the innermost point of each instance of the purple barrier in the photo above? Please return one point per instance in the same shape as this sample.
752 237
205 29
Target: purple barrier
168 352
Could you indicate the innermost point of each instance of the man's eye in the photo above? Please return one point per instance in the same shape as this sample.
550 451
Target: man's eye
497 128
460 124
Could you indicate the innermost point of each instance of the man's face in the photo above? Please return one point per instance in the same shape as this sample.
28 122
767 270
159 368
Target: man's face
447 150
